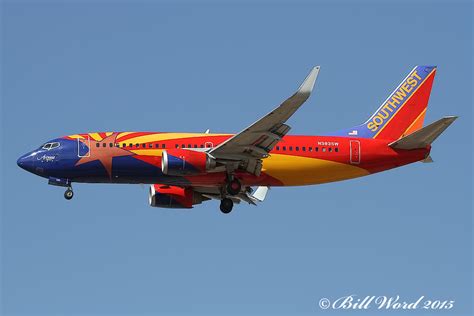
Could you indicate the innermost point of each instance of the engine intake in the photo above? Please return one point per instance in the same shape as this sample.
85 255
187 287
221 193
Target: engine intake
173 197
179 162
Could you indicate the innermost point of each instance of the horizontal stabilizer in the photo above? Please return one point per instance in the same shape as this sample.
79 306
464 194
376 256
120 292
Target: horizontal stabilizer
425 136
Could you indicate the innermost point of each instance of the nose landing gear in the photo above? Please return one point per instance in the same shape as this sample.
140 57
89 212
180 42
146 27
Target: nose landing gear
65 183
69 193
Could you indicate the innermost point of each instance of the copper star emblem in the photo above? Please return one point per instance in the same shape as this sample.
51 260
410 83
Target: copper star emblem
104 154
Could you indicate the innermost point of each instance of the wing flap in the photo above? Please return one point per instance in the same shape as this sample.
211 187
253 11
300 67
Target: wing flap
249 196
260 193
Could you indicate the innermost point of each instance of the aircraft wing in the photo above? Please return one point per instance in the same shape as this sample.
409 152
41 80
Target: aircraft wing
247 148
250 195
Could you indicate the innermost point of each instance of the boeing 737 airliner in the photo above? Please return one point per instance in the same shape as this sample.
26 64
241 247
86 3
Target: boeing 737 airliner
185 169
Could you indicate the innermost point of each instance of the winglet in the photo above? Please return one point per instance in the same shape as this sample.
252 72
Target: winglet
308 84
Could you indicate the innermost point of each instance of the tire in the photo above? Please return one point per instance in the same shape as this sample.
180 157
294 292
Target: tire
226 205
233 187
68 194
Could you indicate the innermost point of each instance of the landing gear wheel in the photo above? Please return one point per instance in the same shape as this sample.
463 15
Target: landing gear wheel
68 194
226 205
233 187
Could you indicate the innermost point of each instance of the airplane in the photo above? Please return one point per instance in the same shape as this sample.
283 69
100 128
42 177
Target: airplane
186 169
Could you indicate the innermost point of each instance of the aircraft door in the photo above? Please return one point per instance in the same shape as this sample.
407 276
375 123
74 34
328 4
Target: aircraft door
355 152
83 147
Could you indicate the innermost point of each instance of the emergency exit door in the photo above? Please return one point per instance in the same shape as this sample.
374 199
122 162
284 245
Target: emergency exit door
355 152
83 147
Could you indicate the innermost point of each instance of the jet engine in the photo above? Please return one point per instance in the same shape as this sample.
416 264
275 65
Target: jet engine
173 197
179 162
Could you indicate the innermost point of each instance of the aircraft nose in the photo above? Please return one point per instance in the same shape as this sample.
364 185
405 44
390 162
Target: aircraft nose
26 162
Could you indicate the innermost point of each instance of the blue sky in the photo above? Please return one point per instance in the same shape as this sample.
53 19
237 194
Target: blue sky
159 66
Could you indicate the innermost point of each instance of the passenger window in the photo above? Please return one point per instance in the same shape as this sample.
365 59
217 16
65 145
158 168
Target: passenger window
336 149
104 145
202 146
330 149
323 149
176 146
183 145
130 145
303 148
297 148
284 148
163 146
124 145
137 145
195 146
150 145
190 146
157 146
310 148
316 148
291 148
278 147
97 144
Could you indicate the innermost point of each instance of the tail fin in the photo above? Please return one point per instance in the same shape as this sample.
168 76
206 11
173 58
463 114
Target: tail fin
424 136
403 112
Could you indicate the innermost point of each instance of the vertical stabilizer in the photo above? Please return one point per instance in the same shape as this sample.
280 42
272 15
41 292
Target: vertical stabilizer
403 112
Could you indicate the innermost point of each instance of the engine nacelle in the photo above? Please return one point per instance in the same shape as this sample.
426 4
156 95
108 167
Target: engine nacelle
173 197
179 162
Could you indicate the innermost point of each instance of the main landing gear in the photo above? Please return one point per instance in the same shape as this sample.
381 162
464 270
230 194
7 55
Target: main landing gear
69 193
226 205
232 187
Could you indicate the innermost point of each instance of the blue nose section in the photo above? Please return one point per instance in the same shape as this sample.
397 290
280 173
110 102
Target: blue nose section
26 162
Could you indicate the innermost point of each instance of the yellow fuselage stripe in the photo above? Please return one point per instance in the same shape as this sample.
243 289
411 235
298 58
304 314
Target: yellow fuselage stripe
296 170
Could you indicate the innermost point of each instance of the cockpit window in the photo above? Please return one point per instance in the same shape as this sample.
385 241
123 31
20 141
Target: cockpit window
49 146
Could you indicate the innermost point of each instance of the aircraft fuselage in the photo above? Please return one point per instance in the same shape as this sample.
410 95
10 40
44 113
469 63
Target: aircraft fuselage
135 157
